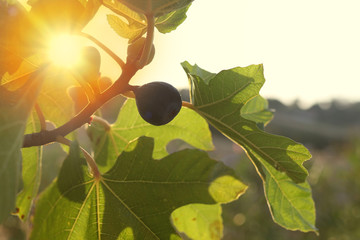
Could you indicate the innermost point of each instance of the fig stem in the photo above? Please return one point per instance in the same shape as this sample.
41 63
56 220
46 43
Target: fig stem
148 42
90 161
188 105
101 121
116 58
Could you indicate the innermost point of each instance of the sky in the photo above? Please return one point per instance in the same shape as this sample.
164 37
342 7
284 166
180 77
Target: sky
310 49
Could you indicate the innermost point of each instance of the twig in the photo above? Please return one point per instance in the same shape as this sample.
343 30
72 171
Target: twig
105 48
120 86
90 161
188 105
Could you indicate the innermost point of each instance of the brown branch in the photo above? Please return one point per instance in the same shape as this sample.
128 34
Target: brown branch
120 86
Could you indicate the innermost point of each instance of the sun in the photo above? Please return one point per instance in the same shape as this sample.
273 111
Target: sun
64 50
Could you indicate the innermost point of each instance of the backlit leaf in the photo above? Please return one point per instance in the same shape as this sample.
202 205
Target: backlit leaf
257 110
219 99
291 204
171 21
189 219
15 107
126 30
108 144
134 199
31 172
156 7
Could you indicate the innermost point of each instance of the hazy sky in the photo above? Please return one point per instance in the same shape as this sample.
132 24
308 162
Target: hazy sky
310 48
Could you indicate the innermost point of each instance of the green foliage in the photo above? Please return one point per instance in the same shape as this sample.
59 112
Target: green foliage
172 20
31 172
190 218
131 24
219 99
257 110
15 108
156 7
138 199
109 143
133 188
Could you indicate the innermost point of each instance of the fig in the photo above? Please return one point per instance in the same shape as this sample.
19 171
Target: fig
135 49
158 102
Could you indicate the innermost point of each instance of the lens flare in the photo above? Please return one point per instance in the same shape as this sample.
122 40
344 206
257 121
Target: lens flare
64 50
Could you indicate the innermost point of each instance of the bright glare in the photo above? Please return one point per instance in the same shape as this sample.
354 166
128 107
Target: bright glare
64 50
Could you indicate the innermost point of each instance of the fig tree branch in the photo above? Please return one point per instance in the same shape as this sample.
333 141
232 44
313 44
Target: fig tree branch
105 48
48 136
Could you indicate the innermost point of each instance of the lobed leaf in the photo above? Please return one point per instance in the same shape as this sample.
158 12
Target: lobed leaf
134 199
15 107
220 99
109 143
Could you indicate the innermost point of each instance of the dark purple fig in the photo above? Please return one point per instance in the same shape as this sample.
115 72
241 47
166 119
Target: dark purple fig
158 102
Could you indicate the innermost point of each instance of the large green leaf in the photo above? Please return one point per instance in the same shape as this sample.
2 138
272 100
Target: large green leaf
134 199
219 99
15 107
156 7
31 172
190 218
109 143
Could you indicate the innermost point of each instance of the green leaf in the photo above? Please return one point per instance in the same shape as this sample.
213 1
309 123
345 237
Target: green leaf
31 172
291 204
171 21
134 199
15 107
108 144
257 110
132 31
156 7
189 219
219 100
